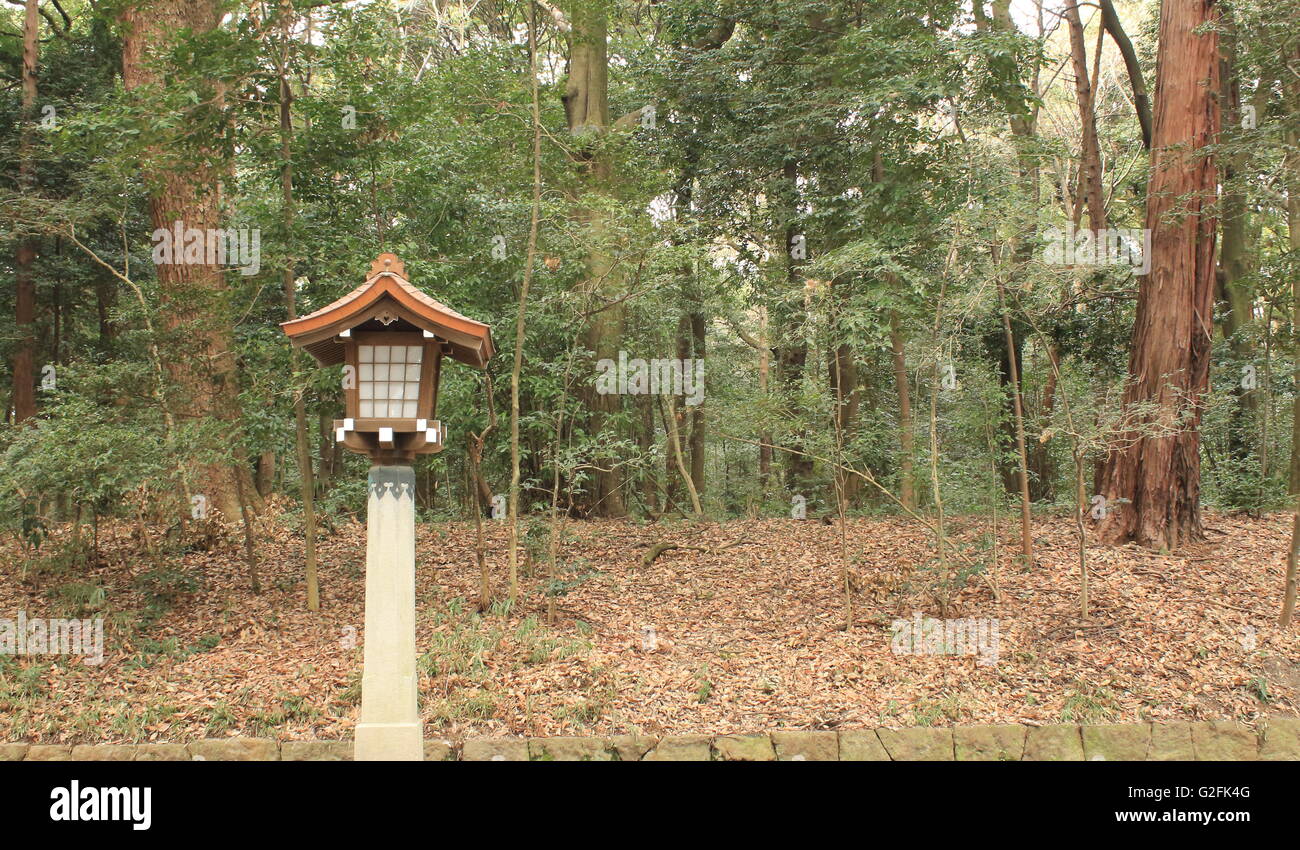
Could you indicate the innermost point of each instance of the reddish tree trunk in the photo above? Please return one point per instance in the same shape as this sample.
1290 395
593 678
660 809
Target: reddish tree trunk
201 361
1169 364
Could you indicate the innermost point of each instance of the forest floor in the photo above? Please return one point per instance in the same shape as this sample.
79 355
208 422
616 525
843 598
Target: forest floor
710 640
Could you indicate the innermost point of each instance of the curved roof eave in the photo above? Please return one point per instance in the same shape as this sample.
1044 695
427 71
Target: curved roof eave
436 314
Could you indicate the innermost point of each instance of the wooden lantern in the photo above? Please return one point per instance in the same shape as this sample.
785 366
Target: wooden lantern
391 338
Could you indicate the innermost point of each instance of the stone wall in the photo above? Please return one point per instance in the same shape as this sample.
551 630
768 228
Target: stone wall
1275 739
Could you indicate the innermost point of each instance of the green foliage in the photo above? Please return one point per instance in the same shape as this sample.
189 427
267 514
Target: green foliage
79 598
878 134
1239 484
94 455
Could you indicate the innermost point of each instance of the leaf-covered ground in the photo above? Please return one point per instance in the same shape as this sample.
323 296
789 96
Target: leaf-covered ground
711 639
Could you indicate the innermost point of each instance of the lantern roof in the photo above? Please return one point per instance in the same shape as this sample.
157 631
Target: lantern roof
388 301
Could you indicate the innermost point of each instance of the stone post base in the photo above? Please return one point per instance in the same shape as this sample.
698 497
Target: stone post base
389 742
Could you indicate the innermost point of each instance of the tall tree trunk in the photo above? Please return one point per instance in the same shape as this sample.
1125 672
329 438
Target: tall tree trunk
1156 467
906 435
1040 455
1008 361
1292 571
24 364
200 361
646 442
693 325
1024 129
1234 287
764 380
1017 396
845 388
1293 226
1292 172
764 351
793 352
264 473
699 425
586 109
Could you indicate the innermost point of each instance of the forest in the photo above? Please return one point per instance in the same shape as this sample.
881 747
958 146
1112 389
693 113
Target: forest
810 317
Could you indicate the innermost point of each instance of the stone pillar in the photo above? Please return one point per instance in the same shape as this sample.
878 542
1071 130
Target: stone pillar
390 728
